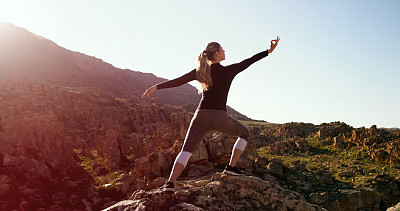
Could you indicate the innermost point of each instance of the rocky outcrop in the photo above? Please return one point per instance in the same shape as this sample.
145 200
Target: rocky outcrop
389 154
288 146
394 208
357 200
290 130
219 192
333 129
49 133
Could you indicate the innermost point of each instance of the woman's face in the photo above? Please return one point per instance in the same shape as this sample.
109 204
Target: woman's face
220 54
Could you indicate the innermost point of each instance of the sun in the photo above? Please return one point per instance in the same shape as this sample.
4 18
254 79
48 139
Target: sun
32 15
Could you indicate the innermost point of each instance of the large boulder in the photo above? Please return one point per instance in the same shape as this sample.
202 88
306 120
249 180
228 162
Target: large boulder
357 200
180 124
161 163
394 208
219 192
200 154
36 168
275 169
142 166
5 185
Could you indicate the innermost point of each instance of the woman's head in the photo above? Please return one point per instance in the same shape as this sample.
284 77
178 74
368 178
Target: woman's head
212 54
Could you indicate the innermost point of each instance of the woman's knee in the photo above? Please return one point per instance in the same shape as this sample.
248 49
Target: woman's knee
244 133
240 144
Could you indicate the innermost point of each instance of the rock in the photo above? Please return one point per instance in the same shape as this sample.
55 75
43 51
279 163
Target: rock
289 146
59 198
332 129
200 153
108 204
379 155
293 129
245 163
357 200
36 168
298 165
101 171
373 131
277 160
319 198
199 170
142 166
394 208
75 200
159 182
10 160
218 146
161 163
28 192
56 208
262 162
114 158
24 206
301 144
180 124
93 195
127 181
185 206
338 142
140 185
270 178
326 178
4 184
275 169
345 174
219 192
164 136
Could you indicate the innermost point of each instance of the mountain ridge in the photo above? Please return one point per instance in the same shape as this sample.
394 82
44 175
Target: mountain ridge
30 57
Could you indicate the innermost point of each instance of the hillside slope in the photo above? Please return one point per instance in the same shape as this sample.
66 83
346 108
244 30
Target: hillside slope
29 57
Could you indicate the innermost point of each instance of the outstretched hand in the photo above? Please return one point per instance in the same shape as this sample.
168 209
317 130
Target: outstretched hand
274 43
149 91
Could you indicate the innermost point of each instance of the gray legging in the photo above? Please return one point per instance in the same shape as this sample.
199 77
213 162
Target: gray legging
205 120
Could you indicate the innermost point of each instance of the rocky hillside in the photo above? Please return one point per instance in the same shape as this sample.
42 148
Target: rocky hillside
48 132
335 165
70 148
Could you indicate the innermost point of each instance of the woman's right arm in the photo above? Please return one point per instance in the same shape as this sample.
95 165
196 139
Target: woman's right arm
239 67
190 76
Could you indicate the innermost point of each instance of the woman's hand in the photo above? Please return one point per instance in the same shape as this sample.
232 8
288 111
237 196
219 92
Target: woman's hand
274 43
149 91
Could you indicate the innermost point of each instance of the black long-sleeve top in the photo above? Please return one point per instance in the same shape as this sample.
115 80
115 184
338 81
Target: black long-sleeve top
216 96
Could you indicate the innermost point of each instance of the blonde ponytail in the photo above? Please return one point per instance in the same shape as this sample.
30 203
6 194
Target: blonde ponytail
203 72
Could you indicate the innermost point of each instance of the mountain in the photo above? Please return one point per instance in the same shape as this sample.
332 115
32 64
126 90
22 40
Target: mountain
29 57
32 58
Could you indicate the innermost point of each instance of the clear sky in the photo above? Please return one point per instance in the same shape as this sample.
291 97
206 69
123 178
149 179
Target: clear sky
336 61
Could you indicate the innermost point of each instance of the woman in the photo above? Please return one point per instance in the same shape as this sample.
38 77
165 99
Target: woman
211 114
